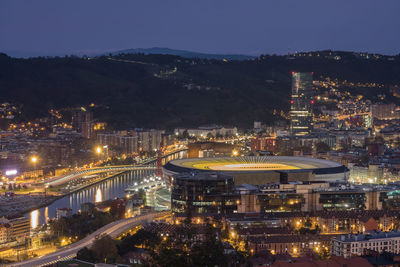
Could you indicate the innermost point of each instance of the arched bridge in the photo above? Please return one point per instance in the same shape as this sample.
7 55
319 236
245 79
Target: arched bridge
66 178
144 165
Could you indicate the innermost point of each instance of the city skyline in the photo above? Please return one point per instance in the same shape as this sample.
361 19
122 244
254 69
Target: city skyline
213 133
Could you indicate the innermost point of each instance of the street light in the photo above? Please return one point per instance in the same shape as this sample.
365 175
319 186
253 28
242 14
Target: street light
98 150
34 159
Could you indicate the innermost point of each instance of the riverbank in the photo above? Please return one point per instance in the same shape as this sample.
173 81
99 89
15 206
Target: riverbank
20 204
56 197
90 184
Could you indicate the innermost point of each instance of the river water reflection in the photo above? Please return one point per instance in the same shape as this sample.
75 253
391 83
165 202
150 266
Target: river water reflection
111 188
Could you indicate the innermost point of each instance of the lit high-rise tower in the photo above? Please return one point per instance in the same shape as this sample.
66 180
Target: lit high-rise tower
301 121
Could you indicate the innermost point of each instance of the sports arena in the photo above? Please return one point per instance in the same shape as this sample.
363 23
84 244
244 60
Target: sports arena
263 170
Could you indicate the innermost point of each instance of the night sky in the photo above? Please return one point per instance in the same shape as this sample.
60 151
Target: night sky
212 26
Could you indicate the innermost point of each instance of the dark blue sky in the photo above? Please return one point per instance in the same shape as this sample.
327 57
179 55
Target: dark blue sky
212 26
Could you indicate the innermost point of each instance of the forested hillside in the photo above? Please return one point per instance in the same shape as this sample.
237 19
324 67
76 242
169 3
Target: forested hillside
137 90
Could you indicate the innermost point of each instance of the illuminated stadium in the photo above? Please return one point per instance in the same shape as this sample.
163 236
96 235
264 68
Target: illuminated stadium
263 170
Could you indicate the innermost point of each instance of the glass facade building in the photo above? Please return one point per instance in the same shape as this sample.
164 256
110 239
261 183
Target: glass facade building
301 116
203 194
343 201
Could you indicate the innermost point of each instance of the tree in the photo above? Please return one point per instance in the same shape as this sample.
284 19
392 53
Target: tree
238 227
170 257
322 147
189 214
86 254
146 238
210 252
105 250
323 254
185 134
308 223
59 227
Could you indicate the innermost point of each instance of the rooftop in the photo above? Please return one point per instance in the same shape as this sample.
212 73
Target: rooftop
253 163
369 236
332 262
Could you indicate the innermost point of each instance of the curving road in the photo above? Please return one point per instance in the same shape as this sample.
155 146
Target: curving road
113 229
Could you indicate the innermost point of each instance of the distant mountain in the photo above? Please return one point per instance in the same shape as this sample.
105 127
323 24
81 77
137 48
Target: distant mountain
31 54
146 51
182 53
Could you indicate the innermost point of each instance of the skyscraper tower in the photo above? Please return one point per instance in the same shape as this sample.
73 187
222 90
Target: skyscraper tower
301 121
82 122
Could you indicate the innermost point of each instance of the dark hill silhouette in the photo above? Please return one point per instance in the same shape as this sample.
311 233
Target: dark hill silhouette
138 90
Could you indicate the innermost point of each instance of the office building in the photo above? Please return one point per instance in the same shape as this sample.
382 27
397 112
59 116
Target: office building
128 144
203 194
4 232
208 131
82 122
20 228
149 140
301 115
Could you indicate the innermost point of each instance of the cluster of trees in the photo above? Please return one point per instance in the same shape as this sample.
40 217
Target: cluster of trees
120 161
80 225
15 187
307 228
102 250
177 250
210 252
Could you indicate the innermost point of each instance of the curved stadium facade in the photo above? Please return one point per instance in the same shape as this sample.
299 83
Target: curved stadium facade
263 170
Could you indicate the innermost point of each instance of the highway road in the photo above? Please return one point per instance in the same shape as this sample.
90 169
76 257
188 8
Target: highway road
113 229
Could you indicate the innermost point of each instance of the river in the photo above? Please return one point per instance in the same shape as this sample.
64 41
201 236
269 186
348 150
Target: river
111 188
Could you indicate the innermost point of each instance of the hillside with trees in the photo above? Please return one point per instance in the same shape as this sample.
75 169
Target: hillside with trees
165 91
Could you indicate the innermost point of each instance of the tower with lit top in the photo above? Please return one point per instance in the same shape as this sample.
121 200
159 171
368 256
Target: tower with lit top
301 104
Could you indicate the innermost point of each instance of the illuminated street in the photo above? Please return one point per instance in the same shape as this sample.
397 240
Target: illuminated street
114 229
